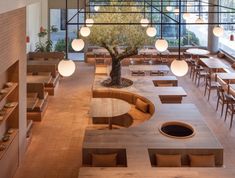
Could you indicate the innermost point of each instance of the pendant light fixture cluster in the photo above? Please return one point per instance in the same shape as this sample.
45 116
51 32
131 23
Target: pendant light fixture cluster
179 67
161 44
66 67
218 30
144 22
199 19
151 31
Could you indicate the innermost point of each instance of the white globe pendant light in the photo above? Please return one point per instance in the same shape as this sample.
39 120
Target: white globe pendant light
85 31
179 67
199 20
169 8
218 31
151 31
97 8
161 45
176 11
144 22
78 44
186 16
89 22
66 67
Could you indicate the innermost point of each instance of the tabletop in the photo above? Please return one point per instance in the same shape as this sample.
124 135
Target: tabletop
108 107
213 63
170 91
232 86
149 68
226 76
197 51
38 79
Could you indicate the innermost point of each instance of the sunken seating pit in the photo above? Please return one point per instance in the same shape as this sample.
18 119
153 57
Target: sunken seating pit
134 117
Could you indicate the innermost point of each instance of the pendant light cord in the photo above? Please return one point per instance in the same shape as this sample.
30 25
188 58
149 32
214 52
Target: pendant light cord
161 18
144 8
179 29
186 5
151 13
66 29
218 9
199 8
78 6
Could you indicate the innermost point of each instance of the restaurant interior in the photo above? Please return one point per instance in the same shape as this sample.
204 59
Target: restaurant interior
119 89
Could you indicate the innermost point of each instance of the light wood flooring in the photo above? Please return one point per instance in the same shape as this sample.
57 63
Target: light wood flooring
55 150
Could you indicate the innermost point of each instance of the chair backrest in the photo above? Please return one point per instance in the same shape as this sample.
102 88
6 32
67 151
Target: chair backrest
220 92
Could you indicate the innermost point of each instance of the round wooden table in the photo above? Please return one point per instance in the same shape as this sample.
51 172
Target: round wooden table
197 51
108 108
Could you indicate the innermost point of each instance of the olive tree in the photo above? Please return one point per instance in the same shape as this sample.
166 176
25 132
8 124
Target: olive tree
113 37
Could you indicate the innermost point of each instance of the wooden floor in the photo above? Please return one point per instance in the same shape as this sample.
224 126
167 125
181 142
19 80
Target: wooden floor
55 151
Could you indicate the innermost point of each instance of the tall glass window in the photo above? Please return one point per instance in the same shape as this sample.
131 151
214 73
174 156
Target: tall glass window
57 20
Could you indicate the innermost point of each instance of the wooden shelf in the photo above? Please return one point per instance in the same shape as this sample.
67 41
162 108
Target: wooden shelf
11 89
8 113
8 143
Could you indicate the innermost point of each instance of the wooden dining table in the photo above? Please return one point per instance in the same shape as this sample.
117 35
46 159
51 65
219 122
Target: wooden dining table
226 76
108 108
213 63
197 51
45 79
165 79
148 68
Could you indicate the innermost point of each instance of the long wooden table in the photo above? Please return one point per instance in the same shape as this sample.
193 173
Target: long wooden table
213 63
38 79
165 80
108 108
227 77
149 68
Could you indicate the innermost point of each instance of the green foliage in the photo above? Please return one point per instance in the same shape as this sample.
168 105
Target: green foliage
190 39
44 47
60 46
129 36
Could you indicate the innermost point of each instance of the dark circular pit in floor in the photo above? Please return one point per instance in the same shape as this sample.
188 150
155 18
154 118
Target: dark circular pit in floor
177 129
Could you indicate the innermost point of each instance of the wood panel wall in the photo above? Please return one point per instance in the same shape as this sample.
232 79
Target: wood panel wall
13 49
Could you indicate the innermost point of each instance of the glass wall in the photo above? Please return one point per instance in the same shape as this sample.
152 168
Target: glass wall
57 20
224 42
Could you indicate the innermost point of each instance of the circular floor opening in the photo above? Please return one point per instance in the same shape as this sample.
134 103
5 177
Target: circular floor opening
177 129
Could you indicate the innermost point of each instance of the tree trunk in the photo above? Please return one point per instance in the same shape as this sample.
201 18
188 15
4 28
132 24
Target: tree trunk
115 73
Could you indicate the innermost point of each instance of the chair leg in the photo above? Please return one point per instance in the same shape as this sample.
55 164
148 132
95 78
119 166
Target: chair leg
205 90
209 94
222 110
226 112
198 82
231 121
217 105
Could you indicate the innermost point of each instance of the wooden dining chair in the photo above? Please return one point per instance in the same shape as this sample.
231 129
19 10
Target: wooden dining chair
230 108
222 100
200 72
210 85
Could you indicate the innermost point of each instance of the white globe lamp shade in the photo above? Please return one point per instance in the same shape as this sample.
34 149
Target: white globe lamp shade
218 31
97 8
179 67
89 22
78 44
161 45
144 22
169 8
176 11
151 31
85 31
186 16
66 68
199 20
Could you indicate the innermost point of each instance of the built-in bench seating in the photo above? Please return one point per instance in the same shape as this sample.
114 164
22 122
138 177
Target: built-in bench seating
37 100
134 116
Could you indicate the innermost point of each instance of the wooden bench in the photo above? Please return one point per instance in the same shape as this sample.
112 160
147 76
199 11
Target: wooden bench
37 100
45 56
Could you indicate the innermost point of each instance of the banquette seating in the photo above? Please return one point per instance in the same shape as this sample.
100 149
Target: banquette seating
142 109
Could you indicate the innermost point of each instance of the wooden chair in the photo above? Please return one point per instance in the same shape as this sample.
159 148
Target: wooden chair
230 108
192 68
200 72
221 98
210 85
